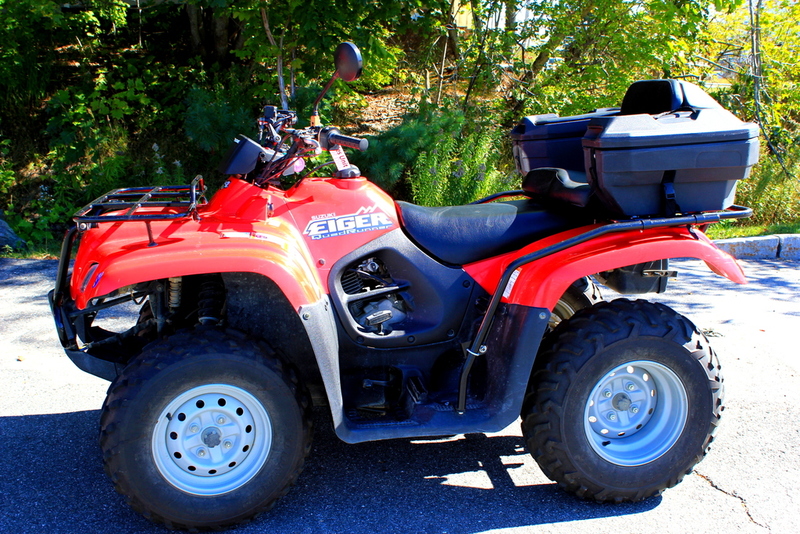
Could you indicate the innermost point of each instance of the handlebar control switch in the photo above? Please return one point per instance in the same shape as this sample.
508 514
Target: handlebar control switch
348 172
270 112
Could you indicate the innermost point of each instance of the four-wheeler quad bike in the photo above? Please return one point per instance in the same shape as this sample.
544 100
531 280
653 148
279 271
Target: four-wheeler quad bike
406 321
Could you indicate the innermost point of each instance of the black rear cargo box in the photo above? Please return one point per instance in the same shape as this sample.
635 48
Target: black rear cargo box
696 153
669 148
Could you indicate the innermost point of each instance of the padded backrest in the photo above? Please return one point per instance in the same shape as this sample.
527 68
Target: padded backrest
652 97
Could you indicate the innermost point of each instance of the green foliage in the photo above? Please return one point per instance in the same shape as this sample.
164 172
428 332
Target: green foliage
393 154
97 95
88 90
461 169
749 58
728 229
438 156
773 194
305 33
214 118
101 102
571 56
7 176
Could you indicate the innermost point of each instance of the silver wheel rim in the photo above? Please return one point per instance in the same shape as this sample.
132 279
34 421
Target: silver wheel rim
212 439
635 413
561 312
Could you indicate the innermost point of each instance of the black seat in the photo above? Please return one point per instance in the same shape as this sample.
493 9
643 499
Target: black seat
466 234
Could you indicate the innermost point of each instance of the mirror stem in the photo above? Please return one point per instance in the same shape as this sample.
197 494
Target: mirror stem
315 114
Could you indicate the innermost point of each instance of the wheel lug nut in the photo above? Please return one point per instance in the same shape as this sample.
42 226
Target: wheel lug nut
612 416
201 453
227 444
630 386
220 420
194 429
607 393
634 409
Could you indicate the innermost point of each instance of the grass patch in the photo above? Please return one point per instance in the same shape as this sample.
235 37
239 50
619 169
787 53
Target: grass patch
50 251
726 230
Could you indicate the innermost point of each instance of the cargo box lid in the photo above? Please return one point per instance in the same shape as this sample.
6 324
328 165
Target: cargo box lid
551 126
698 126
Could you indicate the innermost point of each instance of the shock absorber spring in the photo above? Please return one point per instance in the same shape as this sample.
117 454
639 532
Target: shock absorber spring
175 285
210 300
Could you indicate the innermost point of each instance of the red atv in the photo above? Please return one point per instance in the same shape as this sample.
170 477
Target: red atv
407 321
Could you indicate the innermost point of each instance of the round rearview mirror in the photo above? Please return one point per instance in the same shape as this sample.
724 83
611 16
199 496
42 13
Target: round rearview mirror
347 59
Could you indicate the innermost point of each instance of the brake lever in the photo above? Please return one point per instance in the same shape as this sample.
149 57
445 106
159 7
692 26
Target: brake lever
308 138
314 144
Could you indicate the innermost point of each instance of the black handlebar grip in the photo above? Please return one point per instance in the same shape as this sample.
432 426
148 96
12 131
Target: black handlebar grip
349 142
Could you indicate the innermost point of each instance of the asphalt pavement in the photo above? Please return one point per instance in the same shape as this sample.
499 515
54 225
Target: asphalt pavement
53 480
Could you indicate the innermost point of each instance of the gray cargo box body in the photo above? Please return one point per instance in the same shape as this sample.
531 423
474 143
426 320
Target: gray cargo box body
551 141
631 159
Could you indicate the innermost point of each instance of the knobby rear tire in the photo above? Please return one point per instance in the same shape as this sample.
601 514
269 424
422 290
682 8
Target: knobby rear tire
573 300
624 401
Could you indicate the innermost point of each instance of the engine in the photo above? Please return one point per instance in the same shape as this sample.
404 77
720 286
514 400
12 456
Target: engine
377 302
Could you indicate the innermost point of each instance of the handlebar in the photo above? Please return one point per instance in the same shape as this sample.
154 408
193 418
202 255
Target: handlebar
349 142
329 137
278 159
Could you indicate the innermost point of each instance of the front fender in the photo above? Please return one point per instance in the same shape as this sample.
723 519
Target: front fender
119 255
541 283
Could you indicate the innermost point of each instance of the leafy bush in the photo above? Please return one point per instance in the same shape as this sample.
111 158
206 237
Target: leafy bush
461 169
773 194
213 118
392 155
439 156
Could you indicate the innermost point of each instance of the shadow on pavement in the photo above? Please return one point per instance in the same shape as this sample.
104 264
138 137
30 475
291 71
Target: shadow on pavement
57 484
26 272
696 282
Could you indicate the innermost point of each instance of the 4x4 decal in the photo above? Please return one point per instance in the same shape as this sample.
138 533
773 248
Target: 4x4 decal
364 220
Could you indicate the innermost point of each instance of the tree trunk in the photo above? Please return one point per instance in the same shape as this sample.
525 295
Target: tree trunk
556 40
195 28
220 24
477 22
281 81
512 6
452 30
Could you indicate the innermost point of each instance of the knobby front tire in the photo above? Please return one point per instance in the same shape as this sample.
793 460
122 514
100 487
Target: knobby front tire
205 430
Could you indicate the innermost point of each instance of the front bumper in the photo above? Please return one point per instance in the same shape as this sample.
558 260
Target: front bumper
67 326
71 325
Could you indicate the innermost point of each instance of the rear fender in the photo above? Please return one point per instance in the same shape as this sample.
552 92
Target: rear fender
541 283
115 257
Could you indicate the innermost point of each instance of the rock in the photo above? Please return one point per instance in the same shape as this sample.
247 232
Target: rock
759 247
9 238
790 246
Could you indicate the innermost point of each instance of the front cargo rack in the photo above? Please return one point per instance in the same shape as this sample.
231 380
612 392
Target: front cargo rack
126 204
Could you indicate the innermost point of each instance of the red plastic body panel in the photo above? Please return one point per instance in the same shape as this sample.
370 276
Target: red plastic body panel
541 283
291 237
295 236
338 216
